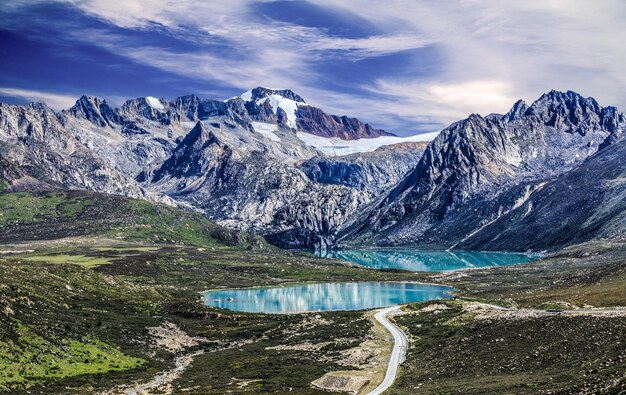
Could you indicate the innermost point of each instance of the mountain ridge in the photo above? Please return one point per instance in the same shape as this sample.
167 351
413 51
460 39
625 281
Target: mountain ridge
236 161
245 166
474 160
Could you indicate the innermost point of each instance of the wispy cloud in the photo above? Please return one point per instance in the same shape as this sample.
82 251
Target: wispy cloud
54 100
497 50
371 46
446 102
492 52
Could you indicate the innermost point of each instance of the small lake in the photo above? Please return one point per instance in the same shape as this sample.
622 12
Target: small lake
298 298
428 261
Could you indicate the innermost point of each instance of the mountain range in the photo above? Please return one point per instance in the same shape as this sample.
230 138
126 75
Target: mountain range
541 176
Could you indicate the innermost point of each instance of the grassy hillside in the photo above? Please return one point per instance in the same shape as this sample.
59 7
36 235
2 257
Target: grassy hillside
27 216
542 347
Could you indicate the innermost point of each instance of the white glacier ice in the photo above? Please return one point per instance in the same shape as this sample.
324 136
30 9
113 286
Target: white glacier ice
154 103
334 146
266 130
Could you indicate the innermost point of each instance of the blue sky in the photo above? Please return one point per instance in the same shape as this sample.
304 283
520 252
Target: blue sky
408 67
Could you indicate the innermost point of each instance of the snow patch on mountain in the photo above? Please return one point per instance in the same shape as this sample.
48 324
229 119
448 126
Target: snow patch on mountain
246 96
288 106
155 103
266 130
333 146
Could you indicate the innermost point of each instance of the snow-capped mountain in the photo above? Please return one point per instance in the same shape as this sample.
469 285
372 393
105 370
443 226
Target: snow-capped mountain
268 162
291 110
237 160
283 103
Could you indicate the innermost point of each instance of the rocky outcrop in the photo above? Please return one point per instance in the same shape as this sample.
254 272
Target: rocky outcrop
315 121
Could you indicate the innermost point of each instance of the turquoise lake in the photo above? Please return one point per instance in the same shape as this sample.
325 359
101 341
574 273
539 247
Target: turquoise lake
296 298
428 261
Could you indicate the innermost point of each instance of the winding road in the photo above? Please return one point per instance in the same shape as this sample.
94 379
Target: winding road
400 345
401 342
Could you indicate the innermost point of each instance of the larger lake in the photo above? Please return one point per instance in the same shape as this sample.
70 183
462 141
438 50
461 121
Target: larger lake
309 297
428 261
296 298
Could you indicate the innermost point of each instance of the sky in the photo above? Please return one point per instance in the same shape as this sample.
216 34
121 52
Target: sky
405 66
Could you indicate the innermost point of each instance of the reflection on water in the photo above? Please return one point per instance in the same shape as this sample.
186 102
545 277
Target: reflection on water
323 296
427 261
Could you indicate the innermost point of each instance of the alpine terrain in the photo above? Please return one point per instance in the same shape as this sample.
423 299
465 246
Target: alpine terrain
117 224
390 220
264 161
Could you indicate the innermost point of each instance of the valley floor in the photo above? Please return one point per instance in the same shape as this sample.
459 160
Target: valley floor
109 314
78 301
101 308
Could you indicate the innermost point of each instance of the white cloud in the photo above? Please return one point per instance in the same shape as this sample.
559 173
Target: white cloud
53 100
371 46
446 102
524 47
143 14
229 20
492 52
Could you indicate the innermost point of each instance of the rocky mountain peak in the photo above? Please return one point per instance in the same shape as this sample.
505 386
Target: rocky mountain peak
517 111
273 105
39 106
139 103
146 107
569 112
186 100
262 93
199 152
87 103
94 110
565 109
199 136
569 99
186 106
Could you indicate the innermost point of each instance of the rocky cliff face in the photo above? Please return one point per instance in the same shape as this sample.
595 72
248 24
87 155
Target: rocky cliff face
253 191
314 121
128 139
458 187
372 172
588 202
33 140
